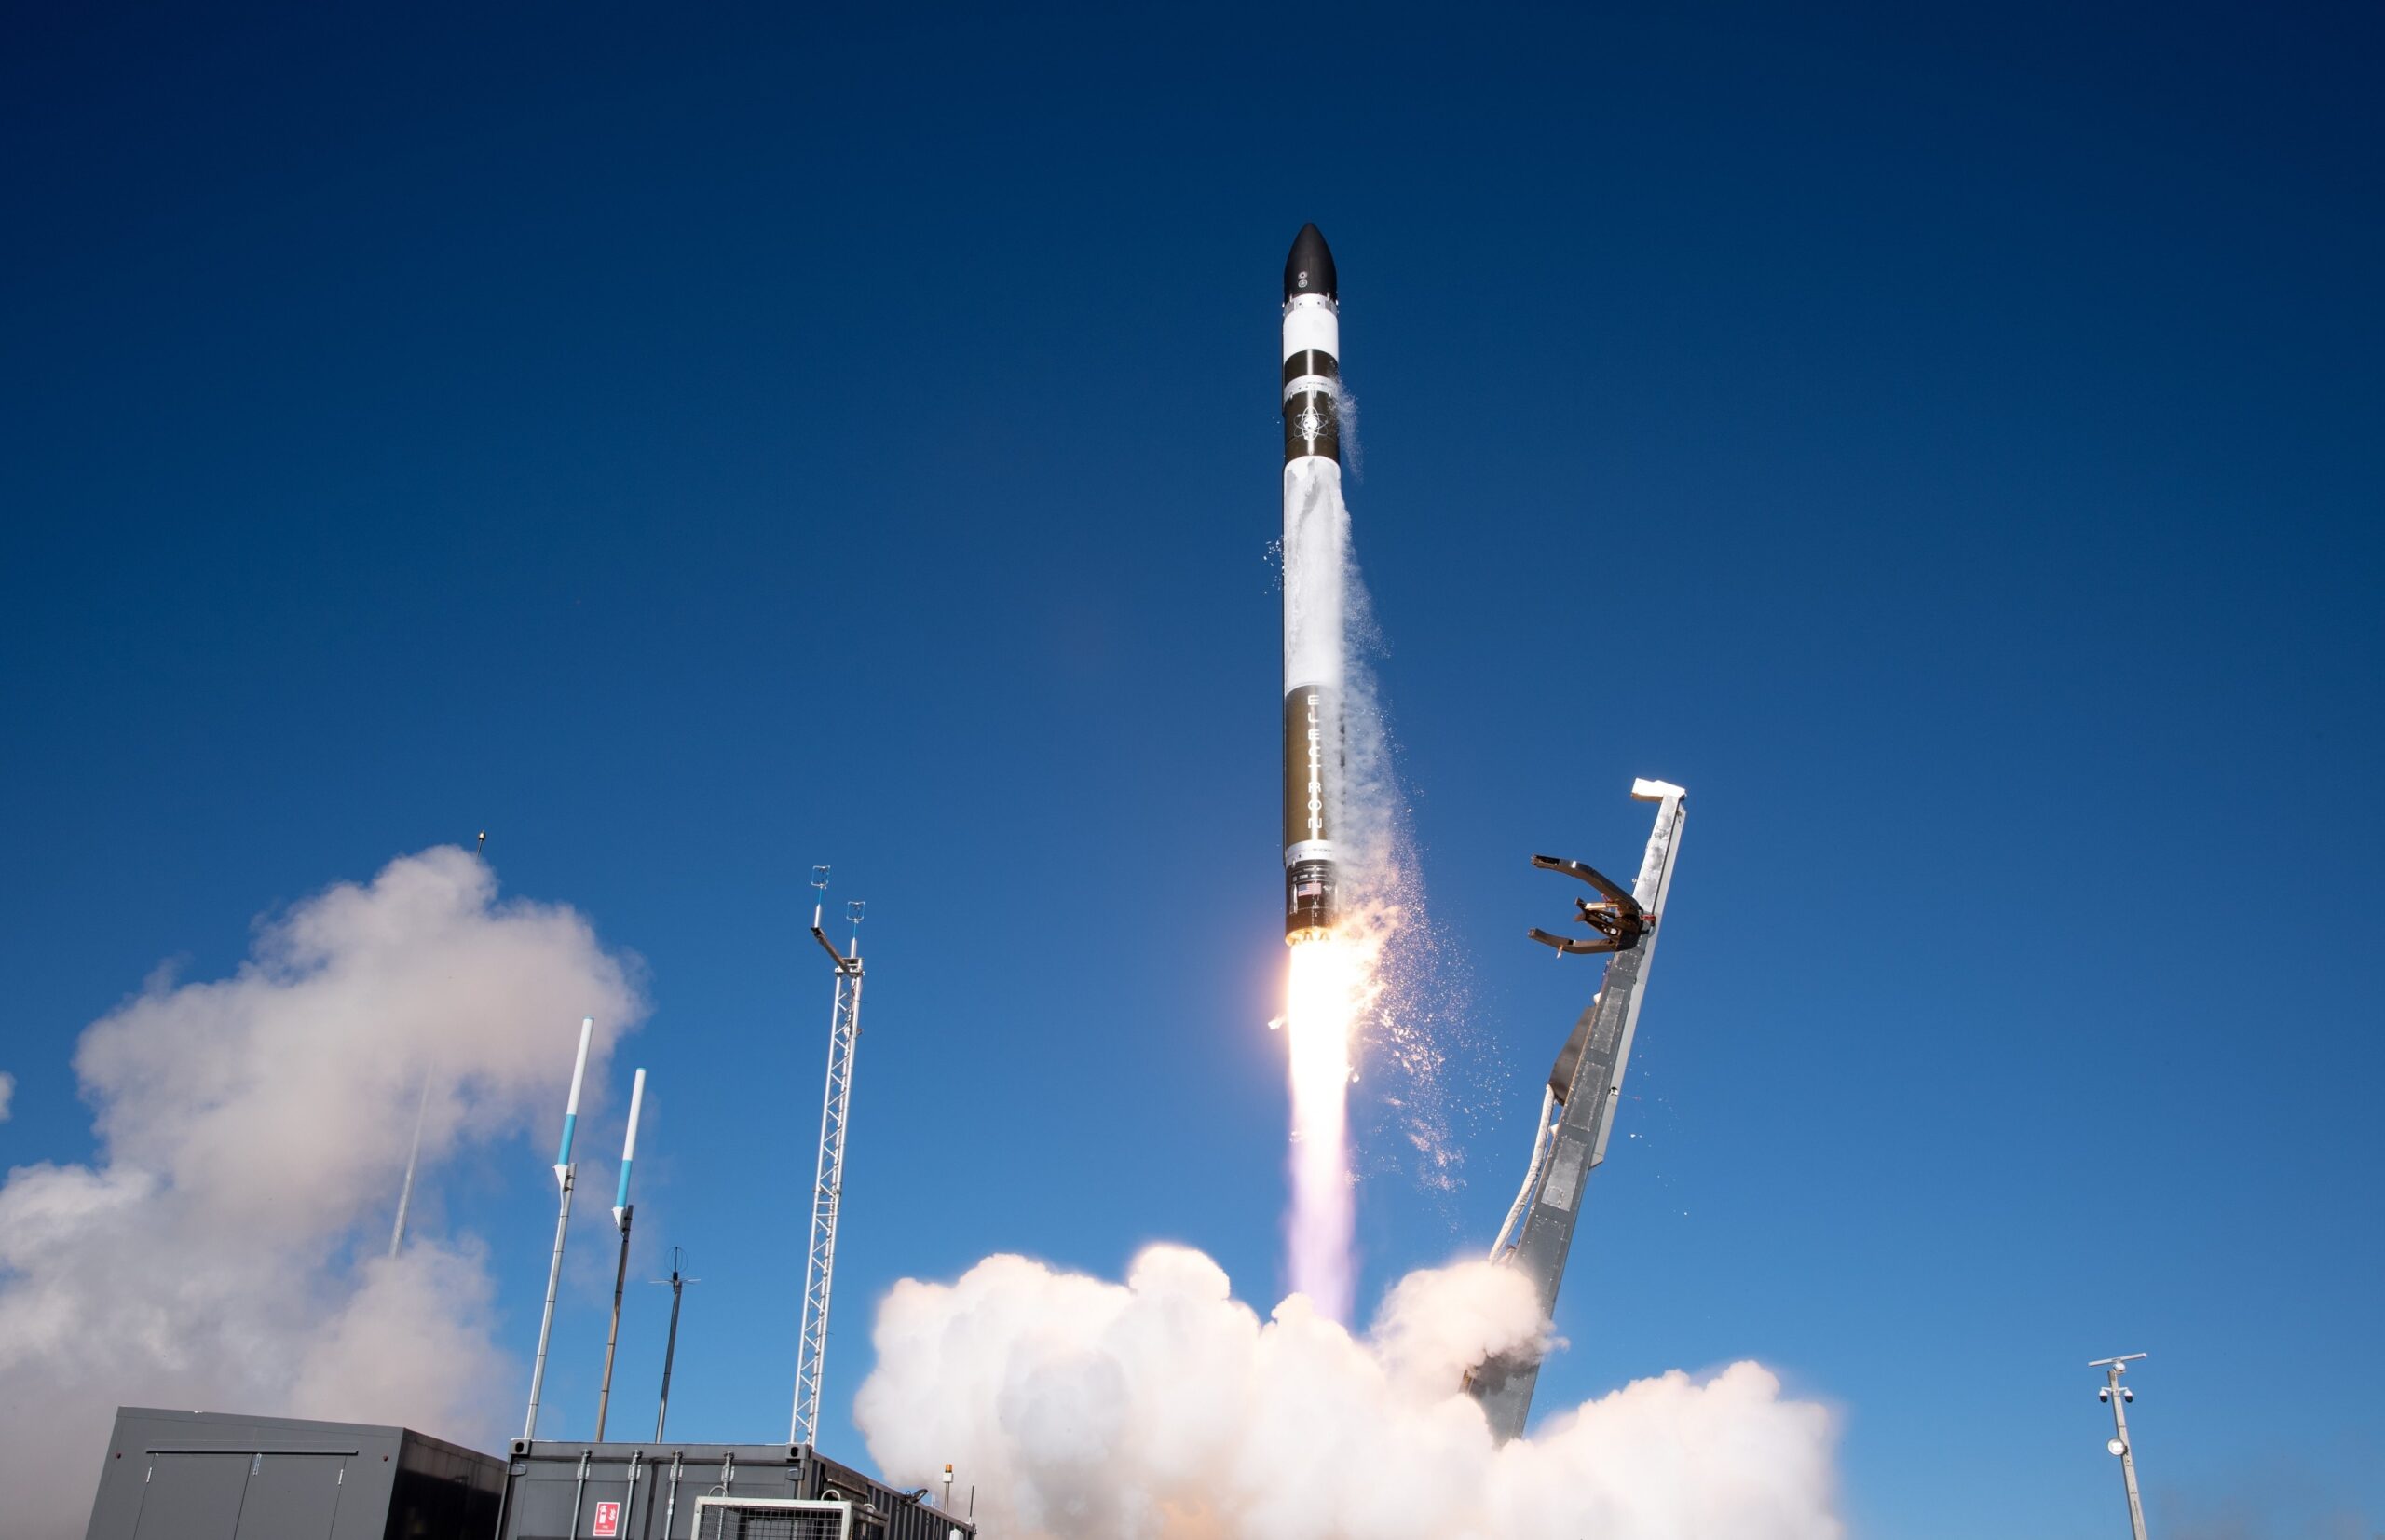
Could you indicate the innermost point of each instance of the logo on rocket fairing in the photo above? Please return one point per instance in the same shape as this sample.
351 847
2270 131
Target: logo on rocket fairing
1310 424
1316 772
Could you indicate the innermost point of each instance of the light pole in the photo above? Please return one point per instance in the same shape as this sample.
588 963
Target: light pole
2118 1396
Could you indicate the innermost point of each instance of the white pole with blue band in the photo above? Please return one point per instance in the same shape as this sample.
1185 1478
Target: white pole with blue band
628 1148
571 1107
621 1212
563 1222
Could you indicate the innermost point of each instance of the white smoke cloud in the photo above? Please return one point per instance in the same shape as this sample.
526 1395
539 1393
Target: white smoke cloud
1164 1409
222 1251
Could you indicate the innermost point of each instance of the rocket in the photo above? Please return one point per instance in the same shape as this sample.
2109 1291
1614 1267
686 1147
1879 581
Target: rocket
1316 536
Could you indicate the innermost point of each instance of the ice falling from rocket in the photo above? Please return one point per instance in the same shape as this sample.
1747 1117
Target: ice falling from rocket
1325 975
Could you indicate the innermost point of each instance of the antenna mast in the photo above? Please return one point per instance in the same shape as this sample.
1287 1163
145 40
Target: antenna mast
827 1190
2119 1396
671 1344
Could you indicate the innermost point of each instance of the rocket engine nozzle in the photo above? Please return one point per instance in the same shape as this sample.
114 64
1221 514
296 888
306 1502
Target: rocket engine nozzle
1311 901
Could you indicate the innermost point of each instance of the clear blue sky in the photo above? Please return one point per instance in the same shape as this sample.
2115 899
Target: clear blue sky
694 448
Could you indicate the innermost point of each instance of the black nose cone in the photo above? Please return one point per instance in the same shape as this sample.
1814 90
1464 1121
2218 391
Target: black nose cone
1309 270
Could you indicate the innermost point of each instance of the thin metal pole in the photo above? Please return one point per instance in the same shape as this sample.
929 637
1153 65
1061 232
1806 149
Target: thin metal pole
620 1270
2127 1451
565 1170
621 1212
670 1347
413 1153
547 1321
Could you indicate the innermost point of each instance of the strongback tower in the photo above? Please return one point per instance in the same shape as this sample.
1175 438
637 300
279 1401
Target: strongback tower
1585 1084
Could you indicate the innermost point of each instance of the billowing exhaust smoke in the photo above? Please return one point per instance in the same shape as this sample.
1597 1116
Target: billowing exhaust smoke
222 1249
1162 1410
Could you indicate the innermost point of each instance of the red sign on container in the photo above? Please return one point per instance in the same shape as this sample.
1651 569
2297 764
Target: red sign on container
608 1521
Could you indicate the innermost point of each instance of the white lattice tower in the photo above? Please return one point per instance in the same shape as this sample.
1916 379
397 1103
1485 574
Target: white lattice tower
828 1183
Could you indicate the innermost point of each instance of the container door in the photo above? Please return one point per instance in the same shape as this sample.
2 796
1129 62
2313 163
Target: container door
192 1497
291 1497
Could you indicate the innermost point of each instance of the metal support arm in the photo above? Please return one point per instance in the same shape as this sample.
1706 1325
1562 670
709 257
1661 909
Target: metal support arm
1587 1080
1620 921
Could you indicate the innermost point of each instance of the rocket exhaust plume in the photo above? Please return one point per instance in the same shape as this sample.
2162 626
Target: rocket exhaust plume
1326 979
1321 1002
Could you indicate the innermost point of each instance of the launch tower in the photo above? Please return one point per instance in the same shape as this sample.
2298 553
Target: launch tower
1583 1089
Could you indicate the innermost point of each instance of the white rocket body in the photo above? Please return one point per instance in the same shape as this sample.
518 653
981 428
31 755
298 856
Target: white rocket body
1316 535
1316 528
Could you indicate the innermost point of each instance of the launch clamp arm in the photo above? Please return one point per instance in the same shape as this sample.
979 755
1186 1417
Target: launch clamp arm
1617 918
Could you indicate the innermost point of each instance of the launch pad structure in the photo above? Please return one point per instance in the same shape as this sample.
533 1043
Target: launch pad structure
1578 1108
1577 1112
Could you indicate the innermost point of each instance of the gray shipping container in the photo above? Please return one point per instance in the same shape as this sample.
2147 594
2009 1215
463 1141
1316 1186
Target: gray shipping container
209 1476
557 1491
